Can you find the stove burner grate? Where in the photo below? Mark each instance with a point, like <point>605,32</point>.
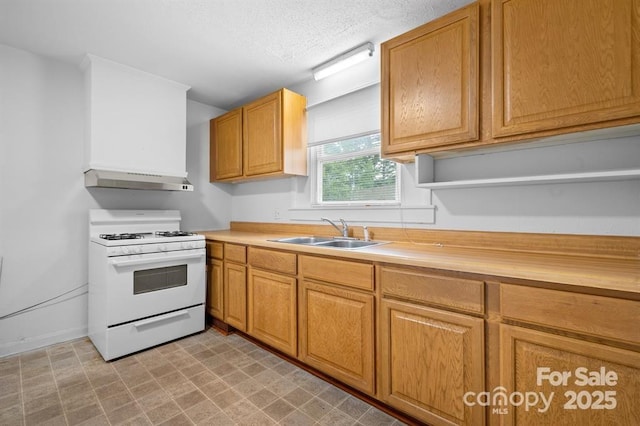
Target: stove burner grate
<point>125,236</point>
<point>173,234</point>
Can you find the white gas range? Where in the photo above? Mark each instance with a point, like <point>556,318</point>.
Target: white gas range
<point>147,281</point>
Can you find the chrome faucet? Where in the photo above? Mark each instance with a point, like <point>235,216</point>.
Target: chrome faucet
<point>345,227</point>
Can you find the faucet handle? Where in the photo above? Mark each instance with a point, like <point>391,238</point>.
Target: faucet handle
<point>345,228</point>
<point>365,230</point>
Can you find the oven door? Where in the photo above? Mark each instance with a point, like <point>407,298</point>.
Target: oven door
<point>140,286</point>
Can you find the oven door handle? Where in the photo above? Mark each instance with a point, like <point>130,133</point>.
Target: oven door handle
<point>160,318</point>
<point>119,262</point>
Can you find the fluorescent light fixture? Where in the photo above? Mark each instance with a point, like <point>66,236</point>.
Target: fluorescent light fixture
<point>343,61</point>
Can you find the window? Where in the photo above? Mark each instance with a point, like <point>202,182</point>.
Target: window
<point>351,172</point>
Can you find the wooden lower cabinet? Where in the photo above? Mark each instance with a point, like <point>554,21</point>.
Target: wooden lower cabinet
<point>429,360</point>
<point>587,383</point>
<point>337,333</point>
<point>235,295</point>
<point>215,293</point>
<point>272,310</point>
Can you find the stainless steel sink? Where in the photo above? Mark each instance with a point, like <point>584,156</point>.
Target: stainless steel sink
<point>329,242</point>
<point>304,240</point>
<point>349,244</point>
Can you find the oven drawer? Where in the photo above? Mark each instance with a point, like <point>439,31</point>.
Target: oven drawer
<point>137,335</point>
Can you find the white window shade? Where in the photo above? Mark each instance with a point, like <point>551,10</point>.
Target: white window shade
<point>353,114</point>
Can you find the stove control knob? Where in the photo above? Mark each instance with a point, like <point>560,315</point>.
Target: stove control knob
<point>188,245</point>
<point>125,250</point>
<point>162,247</point>
<point>137,249</point>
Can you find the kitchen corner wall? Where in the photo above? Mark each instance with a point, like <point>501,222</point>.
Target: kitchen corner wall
<point>44,204</point>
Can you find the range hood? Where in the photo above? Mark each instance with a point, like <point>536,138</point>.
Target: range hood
<point>136,128</point>
<point>129,180</point>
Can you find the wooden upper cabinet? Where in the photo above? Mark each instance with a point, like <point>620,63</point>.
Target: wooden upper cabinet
<point>563,66</point>
<point>263,135</point>
<point>265,138</point>
<point>226,146</point>
<point>430,79</point>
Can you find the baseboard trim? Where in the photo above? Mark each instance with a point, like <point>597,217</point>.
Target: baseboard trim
<point>37,342</point>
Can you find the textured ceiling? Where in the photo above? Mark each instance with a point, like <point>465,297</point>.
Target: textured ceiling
<point>228,51</point>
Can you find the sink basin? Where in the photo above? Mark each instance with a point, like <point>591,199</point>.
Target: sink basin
<point>349,244</point>
<point>328,242</point>
<point>304,240</point>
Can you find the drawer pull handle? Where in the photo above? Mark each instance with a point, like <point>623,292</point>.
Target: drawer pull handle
<point>160,318</point>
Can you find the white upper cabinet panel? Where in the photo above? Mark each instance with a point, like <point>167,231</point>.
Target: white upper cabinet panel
<point>136,121</point>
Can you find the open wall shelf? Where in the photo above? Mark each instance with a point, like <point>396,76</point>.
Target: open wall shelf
<point>425,174</point>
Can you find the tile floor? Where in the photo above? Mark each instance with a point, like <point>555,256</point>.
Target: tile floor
<point>205,379</point>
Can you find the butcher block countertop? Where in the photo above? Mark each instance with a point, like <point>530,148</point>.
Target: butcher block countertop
<point>598,265</point>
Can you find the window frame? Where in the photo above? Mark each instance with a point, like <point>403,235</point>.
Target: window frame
<point>317,170</point>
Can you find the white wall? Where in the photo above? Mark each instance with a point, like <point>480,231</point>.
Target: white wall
<point>44,204</point>
<point>602,208</point>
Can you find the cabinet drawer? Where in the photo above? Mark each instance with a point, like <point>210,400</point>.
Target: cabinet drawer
<point>273,260</point>
<point>235,253</point>
<point>413,284</point>
<point>594,315</point>
<point>215,249</point>
<point>351,274</point>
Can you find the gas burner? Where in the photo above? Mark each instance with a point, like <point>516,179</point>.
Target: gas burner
<point>126,236</point>
<point>173,234</point>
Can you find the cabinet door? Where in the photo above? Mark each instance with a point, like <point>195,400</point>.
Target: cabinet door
<point>529,359</point>
<point>215,300</point>
<point>429,360</point>
<point>336,333</point>
<point>226,146</point>
<point>430,84</point>
<point>235,295</point>
<point>559,64</point>
<point>263,135</point>
<point>272,310</point>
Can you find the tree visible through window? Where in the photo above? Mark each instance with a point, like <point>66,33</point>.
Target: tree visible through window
<point>351,172</point>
